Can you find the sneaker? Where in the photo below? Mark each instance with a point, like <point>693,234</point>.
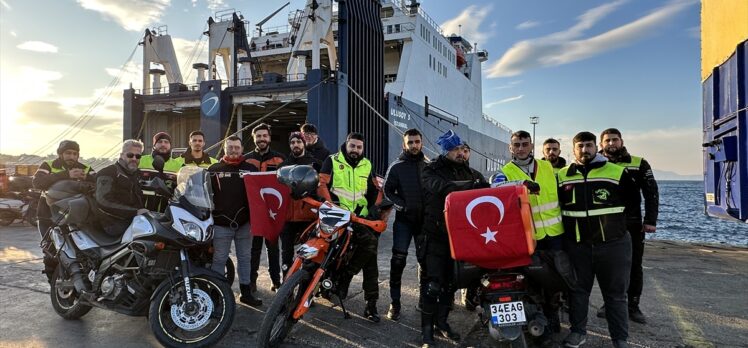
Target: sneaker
<point>394,312</point>
<point>636,315</point>
<point>276,286</point>
<point>620,344</point>
<point>574,340</point>
<point>601,312</point>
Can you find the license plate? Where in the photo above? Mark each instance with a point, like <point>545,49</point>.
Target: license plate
<point>509,313</point>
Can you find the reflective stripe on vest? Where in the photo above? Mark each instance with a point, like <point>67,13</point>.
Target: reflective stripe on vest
<point>546,213</point>
<point>171,166</point>
<point>55,170</point>
<point>350,184</point>
<point>593,212</point>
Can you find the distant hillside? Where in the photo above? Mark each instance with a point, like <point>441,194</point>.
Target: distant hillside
<point>9,160</point>
<point>666,175</point>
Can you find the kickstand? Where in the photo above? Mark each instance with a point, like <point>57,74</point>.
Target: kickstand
<point>342,305</point>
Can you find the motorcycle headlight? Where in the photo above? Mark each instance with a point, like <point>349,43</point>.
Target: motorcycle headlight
<point>330,231</point>
<point>192,230</point>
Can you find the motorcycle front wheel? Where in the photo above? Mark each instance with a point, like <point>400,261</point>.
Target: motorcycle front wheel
<point>279,319</point>
<point>202,322</point>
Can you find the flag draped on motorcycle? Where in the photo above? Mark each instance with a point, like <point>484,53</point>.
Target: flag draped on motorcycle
<point>269,201</point>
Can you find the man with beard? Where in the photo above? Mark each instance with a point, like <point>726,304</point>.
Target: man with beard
<point>118,194</point>
<point>64,167</point>
<point>300,214</point>
<point>196,156</point>
<point>612,146</point>
<point>347,179</point>
<point>546,214</point>
<point>402,186</point>
<point>266,160</point>
<point>161,148</point>
<point>552,154</point>
<point>231,216</point>
<point>314,145</point>
<point>595,196</point>
<point>448,173</point>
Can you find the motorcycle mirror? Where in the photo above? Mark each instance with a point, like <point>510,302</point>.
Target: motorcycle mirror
<point>160,187</point>
<point>158,163</point>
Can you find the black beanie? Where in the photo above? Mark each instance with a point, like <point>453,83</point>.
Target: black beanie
<point>296,135</point>
<point>67,145</point>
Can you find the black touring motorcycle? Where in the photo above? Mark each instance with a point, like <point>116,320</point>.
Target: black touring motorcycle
<point>155,269</point>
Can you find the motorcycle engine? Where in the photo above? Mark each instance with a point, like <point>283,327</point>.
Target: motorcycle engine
<point>112,286</point>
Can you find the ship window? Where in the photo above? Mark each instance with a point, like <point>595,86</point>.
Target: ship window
<point>429,61</point>
<point>397,28</point>
<point>389,29</point>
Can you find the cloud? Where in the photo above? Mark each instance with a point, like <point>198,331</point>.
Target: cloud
<point>6,5</point>
<point>527,25</point>
<point>214,5</point>
<point>471,19</point>
<point>37,46</point>
<point>694,32</point>
<point>13,33</point>
<point>502,101</point>
<point>567,46</point>
<point>508,85</point>
<point>51,113</point>
<point>133,15</point>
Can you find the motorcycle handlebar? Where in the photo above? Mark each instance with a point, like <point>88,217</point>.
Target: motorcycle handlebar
<point>378,226</point>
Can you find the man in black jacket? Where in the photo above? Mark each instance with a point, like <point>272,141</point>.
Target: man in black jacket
<point>611,143</point>
<point>118,194</point>
<point>64,167</point>
<point>447,173</point>
<point>300,214</point>
<point>314,145</point>
<point>402,186</point>
<point>552,154</point>
<point>595,197</point>
<point>231,216</point>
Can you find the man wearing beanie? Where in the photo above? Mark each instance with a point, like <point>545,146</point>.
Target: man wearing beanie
<point>64,167</point>
<point>161,148</point>
<point>300,214</point>
<point>446,174</point>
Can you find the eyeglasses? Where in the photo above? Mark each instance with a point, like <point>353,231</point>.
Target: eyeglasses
<point>131,155</point>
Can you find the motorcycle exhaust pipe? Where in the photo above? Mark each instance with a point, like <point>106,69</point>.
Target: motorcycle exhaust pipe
<point>536,328</point>
<point>75,272</point>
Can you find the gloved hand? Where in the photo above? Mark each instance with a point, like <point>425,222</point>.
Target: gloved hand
<point>532,186</point>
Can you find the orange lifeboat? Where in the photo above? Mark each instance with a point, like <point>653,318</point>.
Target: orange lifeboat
<point>460,58</point>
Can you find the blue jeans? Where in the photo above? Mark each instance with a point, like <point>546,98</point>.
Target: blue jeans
<point>403,233</point>
<point>222,237</point>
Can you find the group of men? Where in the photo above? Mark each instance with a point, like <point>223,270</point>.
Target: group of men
<point>590,209</point>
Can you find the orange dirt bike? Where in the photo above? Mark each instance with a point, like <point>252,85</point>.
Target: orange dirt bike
<point>327,248</point>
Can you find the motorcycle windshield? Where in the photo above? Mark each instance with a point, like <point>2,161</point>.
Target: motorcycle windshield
<point>193,185</point>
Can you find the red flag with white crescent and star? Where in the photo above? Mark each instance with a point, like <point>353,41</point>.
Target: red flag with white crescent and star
<point>268,204</point>
<point>491,227</point>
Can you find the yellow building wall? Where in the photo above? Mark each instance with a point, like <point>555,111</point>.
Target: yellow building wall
<point>724,24</point>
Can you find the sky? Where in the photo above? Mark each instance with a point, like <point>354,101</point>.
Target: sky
<point>577,65</point>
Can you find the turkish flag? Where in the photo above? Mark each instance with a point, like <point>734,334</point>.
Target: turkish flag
<point>491,228</point>
<point>268,204</point>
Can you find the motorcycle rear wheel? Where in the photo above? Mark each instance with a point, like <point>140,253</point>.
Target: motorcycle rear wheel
<point>278,320</point>
<point>66,303</point>
<point>175,324</point>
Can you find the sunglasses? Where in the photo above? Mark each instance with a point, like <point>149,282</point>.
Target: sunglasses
<point>131,155</point>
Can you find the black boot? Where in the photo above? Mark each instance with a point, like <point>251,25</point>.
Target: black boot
<point>247,297</point>
<point>635,314</point>
<point>442,327</point>
<point>371,311</point>
<point>427,325</point>
<point>394,312</point>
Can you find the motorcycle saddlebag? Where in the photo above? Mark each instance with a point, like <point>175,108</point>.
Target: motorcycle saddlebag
<point>491,228</point>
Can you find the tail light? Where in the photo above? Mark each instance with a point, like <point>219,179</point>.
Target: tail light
<point>505,282</point>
